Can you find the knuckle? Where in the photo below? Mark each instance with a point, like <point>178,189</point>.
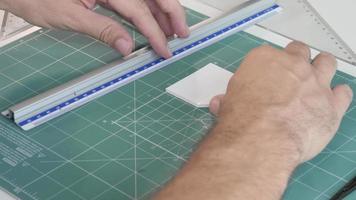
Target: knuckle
<point>265,54</point>
<point>106,34</point>
<point>264,50</point>
<point>167,6</point>
<point>300,45</point>
<point>142,7</point>
<point>301,68</point>
<point>299,62</point>
<point>305,50</point>
<point>328,56</point>
<point>140,11</point>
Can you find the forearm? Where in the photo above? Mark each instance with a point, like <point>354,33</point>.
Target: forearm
<point>235,163</point>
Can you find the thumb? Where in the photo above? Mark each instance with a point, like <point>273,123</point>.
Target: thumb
<point>342,99</point>
<point>103,28</point>
<point>215,104</point>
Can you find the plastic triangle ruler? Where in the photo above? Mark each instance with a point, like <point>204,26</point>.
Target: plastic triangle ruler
<point>300,21</point>
<point>13,28</point>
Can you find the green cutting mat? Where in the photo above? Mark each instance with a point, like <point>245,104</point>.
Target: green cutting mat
<point>127,144</point>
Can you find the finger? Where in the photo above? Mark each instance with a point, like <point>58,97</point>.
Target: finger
<point>139,14</point>
<point>176,15</point>
<point>90,4</point>
<point>325,64</point>
<point>162,18</point>
<point>342,99</point>
<point>215,103</point>
<point>164,23</point>
<point>102,28</point>
<point>299,49</point>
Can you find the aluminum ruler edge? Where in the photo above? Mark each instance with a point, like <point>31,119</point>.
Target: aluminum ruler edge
<point>58,101</point>
<point>38,101</point>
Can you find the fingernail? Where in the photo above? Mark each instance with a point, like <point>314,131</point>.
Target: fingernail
<point>186,31</point>
<point>123,46</point>
<point>168,54</point>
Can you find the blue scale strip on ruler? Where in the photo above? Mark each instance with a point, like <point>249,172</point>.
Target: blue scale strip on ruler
<point>143,68</point>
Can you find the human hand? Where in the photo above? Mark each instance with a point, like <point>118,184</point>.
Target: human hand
<point>285,89</point>
<point>156,19</point>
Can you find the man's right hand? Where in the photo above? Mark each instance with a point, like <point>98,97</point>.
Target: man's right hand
<point>286,88</point>
<point>156,19</point>
<point>278,112</point>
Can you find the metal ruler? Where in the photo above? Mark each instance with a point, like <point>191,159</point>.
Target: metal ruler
<point>42,108</point>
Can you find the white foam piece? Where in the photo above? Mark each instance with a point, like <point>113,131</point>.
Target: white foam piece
<point>200,87</point>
